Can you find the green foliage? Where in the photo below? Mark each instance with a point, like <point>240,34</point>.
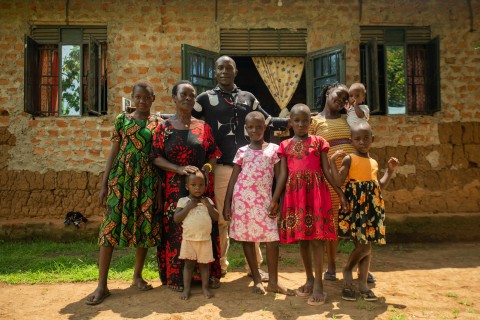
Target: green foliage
<point>396,76</point>
<point>71,81</point>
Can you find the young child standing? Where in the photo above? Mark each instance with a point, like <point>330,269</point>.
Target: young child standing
<point>248,202</point>
<point>356,111</point>
<point>364,223</point>
<point>129,192</point>
<point>307,209</point>
<point>196,214</point>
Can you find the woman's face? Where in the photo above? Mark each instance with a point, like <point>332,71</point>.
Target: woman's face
<point>337,100</point>
<point>142,99</point>
<point>185,97</point>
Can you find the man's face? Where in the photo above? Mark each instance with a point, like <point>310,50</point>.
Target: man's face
<point>225,71</point>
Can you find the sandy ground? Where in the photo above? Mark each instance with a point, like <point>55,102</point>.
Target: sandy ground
<point>414,281</point>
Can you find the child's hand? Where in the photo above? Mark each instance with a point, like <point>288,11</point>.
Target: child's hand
<point>204,200</point>
<point>338,153</point>
<point>352,101</point>
<point>273,210</point>
<point>392,164</point>
<point>193,203</point>
<point>227,213</point>
<point>344,203</point>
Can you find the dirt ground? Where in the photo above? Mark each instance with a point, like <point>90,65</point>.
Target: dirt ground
<point>414,281</point>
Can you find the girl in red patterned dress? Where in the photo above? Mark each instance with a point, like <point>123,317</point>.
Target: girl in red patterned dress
<point>307,208</point>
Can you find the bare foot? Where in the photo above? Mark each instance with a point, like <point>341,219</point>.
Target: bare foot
<point>347,277</point>
<point>97,296</point>
<point>317,299</point>
<point>185,295</point>
<point>276,288</point>
<point>258,288</point>
<point>207,293</point>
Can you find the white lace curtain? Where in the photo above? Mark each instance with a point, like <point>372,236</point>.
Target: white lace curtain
<point>281,75</point>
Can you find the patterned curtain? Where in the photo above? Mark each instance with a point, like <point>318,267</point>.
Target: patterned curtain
<point>281,75</point>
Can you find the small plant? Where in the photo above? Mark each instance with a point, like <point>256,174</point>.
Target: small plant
<point>364,305</point>
<point>288,262</point>
<point>455,313</point>
<point>345,246</point>
<point>397,315</point>
<point>452,295</point>
<point>466,303</point>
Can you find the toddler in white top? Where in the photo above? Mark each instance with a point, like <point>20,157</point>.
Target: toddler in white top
<point>196,213</point>
<point>356,111</point>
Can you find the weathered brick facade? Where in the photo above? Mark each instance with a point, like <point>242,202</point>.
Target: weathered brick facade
<point>50,165</point>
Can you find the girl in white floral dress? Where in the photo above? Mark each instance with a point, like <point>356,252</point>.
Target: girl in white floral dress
<point>248,202</point>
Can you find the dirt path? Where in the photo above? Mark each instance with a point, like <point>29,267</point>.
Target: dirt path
<point>415,281</point>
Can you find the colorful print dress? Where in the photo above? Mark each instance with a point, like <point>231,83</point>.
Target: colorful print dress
<point>337,134</point>
<point>129,219</point>
<point>252,195</point>
<point>307,208</point>
<point>366,220</point>
<point>195,147</point>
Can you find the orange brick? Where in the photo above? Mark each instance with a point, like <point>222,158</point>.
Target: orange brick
<point>142,70</point>
<point>90,124</point>
<point>61,123</point>
<point>133,56</point>
<point>38,150</point>
<point>80,153</point>
<point>53,133</point>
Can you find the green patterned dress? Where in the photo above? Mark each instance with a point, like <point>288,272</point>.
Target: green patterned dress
<point>129,219</point>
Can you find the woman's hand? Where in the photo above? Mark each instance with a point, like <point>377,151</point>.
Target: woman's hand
<point>184,170</point>
<point>344,203</point>
<point>102,198</point>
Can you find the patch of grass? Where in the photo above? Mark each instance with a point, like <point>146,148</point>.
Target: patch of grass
<point>50,262</point>
<point>396,315</point>
<point>345,246</point>
<point>236,258</point>
<point>466,303</point>
<point>289,261</point>
<point>365,305</point>
<point>455,313</point>
<point>452,295</point>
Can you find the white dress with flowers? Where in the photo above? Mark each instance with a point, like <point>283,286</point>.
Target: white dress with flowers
<point>252,195</point>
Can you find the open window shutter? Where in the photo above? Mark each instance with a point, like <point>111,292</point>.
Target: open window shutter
<point>31,77</point>
<point>432,76</point>
<point>324,66</point>
<point>371,76</point>
<point>198,66</point>
<point>94,74</point>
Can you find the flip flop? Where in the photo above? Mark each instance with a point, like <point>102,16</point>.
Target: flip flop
<point>303,291</point>
<point>144,288</point>
<point>263,275</point>
<point>371,278</point>
<point>98,301</point>
<point>368,295</point>
<point>317,303</point>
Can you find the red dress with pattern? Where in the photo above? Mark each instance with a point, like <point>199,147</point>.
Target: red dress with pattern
<point>307,208</point>
<point>182,147</point>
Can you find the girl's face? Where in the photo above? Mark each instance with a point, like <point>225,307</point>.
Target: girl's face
<point>255,129</point>
<point>185,97</point>
<point>362,140</point>
<point>195,186</point>
<point>300,121</point>
<point>337,100</point>
<point>142,99</point>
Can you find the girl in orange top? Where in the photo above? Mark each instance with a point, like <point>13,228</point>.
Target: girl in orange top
<point>364,223</point>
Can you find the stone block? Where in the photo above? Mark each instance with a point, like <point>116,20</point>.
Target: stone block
<point>472,153</point>
<point>459,161</point>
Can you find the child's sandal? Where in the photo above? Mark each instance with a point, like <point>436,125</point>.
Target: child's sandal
<point>368,295</point>
<point>330,276</point>
<point>348,293</point>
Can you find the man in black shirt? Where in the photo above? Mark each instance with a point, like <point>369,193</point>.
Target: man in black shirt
<point>224,108</point>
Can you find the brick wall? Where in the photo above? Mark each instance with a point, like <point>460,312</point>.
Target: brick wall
<point>52,165</point>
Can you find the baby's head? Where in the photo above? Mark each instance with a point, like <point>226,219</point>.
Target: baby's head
<point>255,125</point>
<point>362,137</point>
<point>357,93</point>
<point>195,184</point>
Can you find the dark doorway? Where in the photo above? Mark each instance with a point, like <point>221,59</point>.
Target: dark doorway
<point>249,79</point>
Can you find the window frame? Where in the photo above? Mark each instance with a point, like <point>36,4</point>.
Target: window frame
<point>96,92</point>
<point>373,66</point>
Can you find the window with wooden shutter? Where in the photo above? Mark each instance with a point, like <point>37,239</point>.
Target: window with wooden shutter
<point>65,71</point>
<point>400,69</point>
